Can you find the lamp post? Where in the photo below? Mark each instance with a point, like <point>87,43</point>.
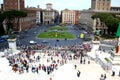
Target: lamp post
<point>86,22</point>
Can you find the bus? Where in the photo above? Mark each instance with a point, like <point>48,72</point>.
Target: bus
<point>3,38</point>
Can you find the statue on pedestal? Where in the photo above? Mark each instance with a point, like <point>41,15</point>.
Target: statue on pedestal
<point>116,54</point>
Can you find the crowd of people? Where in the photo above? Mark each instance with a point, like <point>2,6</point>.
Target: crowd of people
<point>29,60</point>
<point>32,47</point>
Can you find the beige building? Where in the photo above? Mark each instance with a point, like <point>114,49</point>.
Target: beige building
<point>49,15</point>
<point>100,5</point>
<point>38,13</point>
<point>70,16</point>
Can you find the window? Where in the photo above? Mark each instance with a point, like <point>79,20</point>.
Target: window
<point>103,4</point>
<point>15,3</point>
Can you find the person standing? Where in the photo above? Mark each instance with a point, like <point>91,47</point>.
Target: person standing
<point>88,62</point>
<point>37,70</point>
<point>75,66</point>
<point>102,77</point>
<point>81,61</point>
<point>113,73</point>
<point>84,61</point>
<point>119,73</point>
<point>105,76</point>
<point>78,73</point>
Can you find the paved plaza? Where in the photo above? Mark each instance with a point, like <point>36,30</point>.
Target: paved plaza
<point>90,71</point>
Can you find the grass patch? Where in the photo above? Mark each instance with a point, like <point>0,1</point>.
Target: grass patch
<point>59,28</point>
<point>107,59</point>
<point>58,35</point>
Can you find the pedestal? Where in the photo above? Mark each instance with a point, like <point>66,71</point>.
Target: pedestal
<point>115,58</point>
<point>12,44</point>
<point>115,62</point>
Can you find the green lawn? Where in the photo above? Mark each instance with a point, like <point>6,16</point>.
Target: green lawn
<point>56,32</point>
<point>58,35</point>
<point>107,59</point>
<point>59,28</point>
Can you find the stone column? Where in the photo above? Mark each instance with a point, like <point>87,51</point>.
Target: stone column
<point>94,25</point>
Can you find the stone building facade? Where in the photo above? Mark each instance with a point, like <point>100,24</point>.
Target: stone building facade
<point>13,4</point>
<point>100,5</point>
<point>25,22</point>
<point>70,16</point>
<point>49,15</point>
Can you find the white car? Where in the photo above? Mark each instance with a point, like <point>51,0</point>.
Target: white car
<point>32,42</point>
<point>44,41</point>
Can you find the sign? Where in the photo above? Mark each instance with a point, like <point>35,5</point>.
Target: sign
<point>81,35</point>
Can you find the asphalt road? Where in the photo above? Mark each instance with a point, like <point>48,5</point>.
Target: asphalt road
<point>24,38</point>
<point>30,35</point>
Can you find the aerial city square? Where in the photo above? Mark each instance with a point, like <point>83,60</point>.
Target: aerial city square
<point>60,40</point>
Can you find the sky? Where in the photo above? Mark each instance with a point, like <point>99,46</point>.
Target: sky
<point>63,4</point>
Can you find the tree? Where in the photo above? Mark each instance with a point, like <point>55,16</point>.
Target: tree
<point>18,15</point>
<point>1,25</point>
<point>10,17</point>
<point>109,19</point>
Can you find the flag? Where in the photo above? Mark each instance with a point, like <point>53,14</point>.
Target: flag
<point>118,31</point>
<point>118,35</point>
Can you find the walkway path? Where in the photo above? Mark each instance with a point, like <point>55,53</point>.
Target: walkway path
<point>92,71</point>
